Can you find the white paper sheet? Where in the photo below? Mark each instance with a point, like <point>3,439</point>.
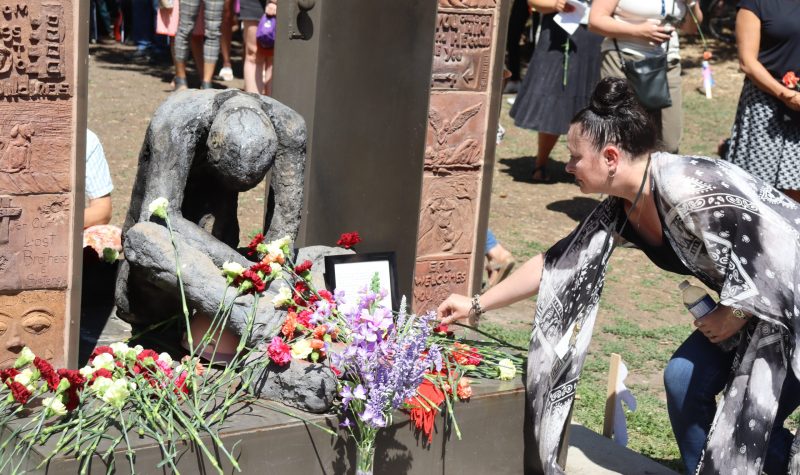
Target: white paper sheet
<point>352,277</point>
<point>570,22</point>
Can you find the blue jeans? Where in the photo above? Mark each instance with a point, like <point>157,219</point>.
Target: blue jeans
<point>143,23</point>
<point>491,241</point>
<point>694,376</point>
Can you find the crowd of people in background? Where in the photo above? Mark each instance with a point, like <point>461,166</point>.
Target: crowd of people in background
<point>203,30</point>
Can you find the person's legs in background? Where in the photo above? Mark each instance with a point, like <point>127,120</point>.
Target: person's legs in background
<point>254,59</point>
<point>226,72</point>
<point>672,117</point>
<point>544,145</point>
<point>516,26</point>
<point>143,26</point>
<point>213,20</point>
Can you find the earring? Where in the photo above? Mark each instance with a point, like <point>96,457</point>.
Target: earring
<point>612,173</point>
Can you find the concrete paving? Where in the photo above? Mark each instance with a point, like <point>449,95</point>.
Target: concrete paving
<point>592,454</point>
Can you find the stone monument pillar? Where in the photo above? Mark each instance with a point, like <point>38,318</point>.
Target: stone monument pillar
<point>358,72</point>
<point>462,124</point>
<point>42,146</point>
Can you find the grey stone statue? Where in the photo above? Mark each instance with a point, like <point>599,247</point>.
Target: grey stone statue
<point>201,150</point>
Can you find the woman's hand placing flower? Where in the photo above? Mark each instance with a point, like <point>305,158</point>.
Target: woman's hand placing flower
<point>454,308</point>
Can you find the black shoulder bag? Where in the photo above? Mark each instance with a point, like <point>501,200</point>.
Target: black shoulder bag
<point>648,78</point>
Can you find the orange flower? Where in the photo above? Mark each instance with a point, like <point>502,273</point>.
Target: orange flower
<point>320,331</point>
<point>790,80</point>
<point>464,390</point>
<point>707,55</point>
<point>289,325</point>
<point>316,344</point>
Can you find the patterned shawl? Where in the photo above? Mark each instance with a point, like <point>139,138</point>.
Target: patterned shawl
<point>740,237</point>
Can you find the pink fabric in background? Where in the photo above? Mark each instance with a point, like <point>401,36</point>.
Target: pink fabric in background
<point>167,21</point>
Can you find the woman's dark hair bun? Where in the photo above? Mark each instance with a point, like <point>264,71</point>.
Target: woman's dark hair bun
<point>612,96</point>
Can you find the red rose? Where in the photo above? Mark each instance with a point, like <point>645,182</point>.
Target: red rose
<point>19,392</point>
<point>348,240</point>
<point>48,373</point>
<point>257,239</point>
<point>304,266</point>
<point>790,80</point>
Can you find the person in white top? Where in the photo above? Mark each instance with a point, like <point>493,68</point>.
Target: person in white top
<point>645,28</point>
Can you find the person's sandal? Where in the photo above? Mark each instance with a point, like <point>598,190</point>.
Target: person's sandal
<point>500,270</point>
<point>179,84</point>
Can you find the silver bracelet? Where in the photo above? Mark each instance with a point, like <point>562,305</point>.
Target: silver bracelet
<point>476,310</point>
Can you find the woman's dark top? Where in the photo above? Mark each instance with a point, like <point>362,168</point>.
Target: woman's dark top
<point>663,256</point>
<point>779,51</point>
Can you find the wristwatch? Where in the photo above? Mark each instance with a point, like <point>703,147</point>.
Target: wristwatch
<point>739,313</point>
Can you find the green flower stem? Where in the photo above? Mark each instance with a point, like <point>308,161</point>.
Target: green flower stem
<point>699,29</point>
<point>566,60</point>
<point>492,337</point>
<point>129,451</point>
<point>180,282</point>
<point>195,437</point>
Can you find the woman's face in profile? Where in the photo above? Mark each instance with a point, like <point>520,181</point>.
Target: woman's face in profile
<point>585,162</point>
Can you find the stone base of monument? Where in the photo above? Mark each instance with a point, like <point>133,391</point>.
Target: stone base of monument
<point>267,441</point>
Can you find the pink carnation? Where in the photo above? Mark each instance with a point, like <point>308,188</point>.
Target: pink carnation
<point>279,352</point>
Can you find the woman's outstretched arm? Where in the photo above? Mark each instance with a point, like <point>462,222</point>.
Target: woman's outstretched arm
<point>523,283</point>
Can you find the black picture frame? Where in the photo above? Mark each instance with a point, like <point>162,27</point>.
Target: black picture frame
<point>334,279</point>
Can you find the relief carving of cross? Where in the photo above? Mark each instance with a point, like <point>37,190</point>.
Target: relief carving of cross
<point>7,213</point>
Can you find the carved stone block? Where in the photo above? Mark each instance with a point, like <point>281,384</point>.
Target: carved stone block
<point>437,278</point>
<point>456,133</point>
<point>462,48</point>
<point>34,241</point>
<point>35,147</point>
<point>35,319</point>
<point>35,62</point>
<point>447,217</point>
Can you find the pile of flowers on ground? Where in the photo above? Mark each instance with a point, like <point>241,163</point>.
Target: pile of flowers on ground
<point>384,361</point>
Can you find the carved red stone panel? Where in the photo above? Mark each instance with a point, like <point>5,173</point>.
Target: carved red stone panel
<point>447,215</point>
<point>34,243</point>
<point>456,133</point>
<point>437,278</point>
<point>39,111</point>
<point>34,319</point>
<point>35,90</point>
<point>462,49</point>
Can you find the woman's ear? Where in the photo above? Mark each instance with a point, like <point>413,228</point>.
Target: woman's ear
<point>611,155</point>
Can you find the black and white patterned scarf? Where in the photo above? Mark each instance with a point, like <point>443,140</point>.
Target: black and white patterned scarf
<point>735,233</point>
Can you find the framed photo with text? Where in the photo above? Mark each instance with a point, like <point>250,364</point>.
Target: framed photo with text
<point>352,272</point>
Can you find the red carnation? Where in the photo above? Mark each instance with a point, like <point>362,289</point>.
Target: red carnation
<point>257,239</point>
<point>8,373</point>
<point>100,350</point>
<point>327,296</point>
<point>76,382</point>
<point>289,325</point>
<point>279,352</point>
<point>144,354</point>
<point>304,266</point>
<point>348,240</point>
<point>258,284</point>
<point>180,384</point>
<point>19,391</point>
<point>304,318</point>
<point>102,372</point>
<point>48,373</point>
<point>466,355</point>
<point>790,80</point>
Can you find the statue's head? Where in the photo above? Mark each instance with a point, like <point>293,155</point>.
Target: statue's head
<point>241,146</point>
